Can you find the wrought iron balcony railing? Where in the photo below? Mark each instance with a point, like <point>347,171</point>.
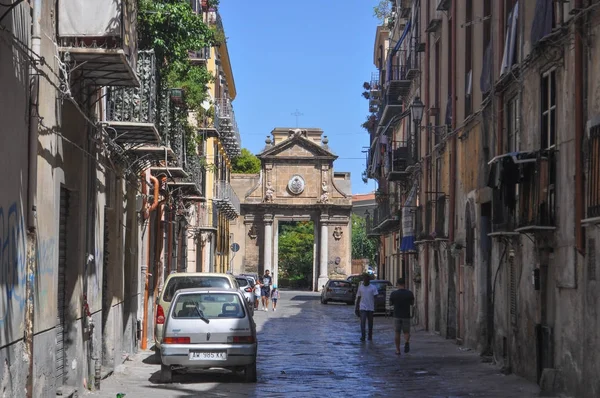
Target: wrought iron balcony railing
<point>132,112</point>
<point>102,45</point>
<point>400,157</point>
<point>208,216</point>
<point>226,200</point>
<point>227,127</point>
<point>537,205</point>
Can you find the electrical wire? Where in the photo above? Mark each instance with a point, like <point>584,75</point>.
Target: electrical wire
<point>10,8</point>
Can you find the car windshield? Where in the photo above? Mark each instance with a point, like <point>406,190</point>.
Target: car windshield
<point>208,305</point>
<point>381,284</point>
<point>339,284</point>
<point>242,281</point>
<point>186,282</point>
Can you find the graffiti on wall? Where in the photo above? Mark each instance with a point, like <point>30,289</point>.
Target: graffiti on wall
<point>12,272</point>
<point>47,256</point>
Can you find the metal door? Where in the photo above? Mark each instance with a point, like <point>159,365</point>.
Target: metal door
<point>61,296</point>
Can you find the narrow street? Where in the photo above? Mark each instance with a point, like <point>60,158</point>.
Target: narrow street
<point>307,349</point>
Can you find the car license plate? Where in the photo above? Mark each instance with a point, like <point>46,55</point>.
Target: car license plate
<point>207,356</point>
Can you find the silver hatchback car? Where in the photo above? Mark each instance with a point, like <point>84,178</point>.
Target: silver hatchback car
<point>209,328</point>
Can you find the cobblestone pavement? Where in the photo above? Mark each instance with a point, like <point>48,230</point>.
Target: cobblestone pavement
<point>307,349</point>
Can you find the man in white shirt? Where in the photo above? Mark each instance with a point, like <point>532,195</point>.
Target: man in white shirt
<point>365,305</point>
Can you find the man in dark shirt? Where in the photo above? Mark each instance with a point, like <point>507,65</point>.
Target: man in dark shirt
<point>266,289</point>
<point>402,299</point>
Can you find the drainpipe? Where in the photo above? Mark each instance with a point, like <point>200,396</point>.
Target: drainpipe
<point>425,280</point>
<point>144,343</point>
<point>579,184</point>
<point>500,95</point>
<point>32,193</point>
<point>453,156</point>
<point>169,218</point>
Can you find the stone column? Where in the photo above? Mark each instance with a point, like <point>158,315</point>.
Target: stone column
<point>275,270</point>
<point>268,246</point>
<point>323,253</point>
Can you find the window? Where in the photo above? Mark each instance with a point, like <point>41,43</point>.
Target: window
<point>593,177</point>
<point>187,282</point>
<point>209,306</point>
<point>548,91</point>
<point>468,57</point>
<point>512,124</point>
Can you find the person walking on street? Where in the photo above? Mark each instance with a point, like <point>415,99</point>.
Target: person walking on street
<point>365,305</point>
<point>266,289</point>
<point>402,299</point>
<point>257,293</point>
<point>274,297</point>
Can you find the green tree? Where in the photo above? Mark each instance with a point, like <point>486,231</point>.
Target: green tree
<point>382,10</point>
<point>246,163</point>
<point>362,245</point>
<point>296,242</point>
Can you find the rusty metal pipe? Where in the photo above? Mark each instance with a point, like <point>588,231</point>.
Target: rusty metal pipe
<point>144,343</point>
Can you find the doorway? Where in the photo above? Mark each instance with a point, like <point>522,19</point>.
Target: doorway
<point>295,254</point>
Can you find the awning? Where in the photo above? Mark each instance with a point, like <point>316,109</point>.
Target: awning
<point>408,232</point>
<point>517,157</point>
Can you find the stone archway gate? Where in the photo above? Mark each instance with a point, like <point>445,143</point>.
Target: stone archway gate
<point>296,183</point>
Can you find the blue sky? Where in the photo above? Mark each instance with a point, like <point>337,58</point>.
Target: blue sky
<point>311,55</point>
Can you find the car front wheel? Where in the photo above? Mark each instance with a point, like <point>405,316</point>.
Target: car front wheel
<point>250,373</point>
<point>166,374</point>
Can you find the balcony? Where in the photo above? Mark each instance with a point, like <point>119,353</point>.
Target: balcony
<point>537,206</point>
<point>523,192</point>
<point>131,113</point>
<point>99,40</point>
<point>227,127</point>
<point>374,93</point>
<point>385,216</point>
<point>199,57</point>
<point>398,84</point>
<point>412,65</point>
<point>400,158</point>
<point>226,200</point>
<point>207,218</point>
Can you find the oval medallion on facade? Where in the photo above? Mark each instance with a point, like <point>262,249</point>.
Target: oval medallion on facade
<point>296,185</point>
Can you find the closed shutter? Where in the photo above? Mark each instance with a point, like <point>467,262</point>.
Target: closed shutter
<point>61,296</point>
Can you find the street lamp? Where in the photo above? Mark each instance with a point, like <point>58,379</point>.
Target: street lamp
<point>416,110</point>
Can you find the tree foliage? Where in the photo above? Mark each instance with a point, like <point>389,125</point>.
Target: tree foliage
<point>382,10</point>
<point>246,163</point>
<point>362,245</point>
<point>172,30</point>
<point>296,242</point>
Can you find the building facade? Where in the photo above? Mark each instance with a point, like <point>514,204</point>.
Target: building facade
<point>102,193</point>
<point>499,98</point>
<point>220,142</point>
<point>297,182</point>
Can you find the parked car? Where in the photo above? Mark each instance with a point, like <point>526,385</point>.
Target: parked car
<point>381,285</point>
<point>247,287</point>
<point>208,328</point>
<point>186,280</point>
<point>337,291</point>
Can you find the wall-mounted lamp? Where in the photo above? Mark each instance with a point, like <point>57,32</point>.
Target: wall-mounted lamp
<point>416,110</point>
